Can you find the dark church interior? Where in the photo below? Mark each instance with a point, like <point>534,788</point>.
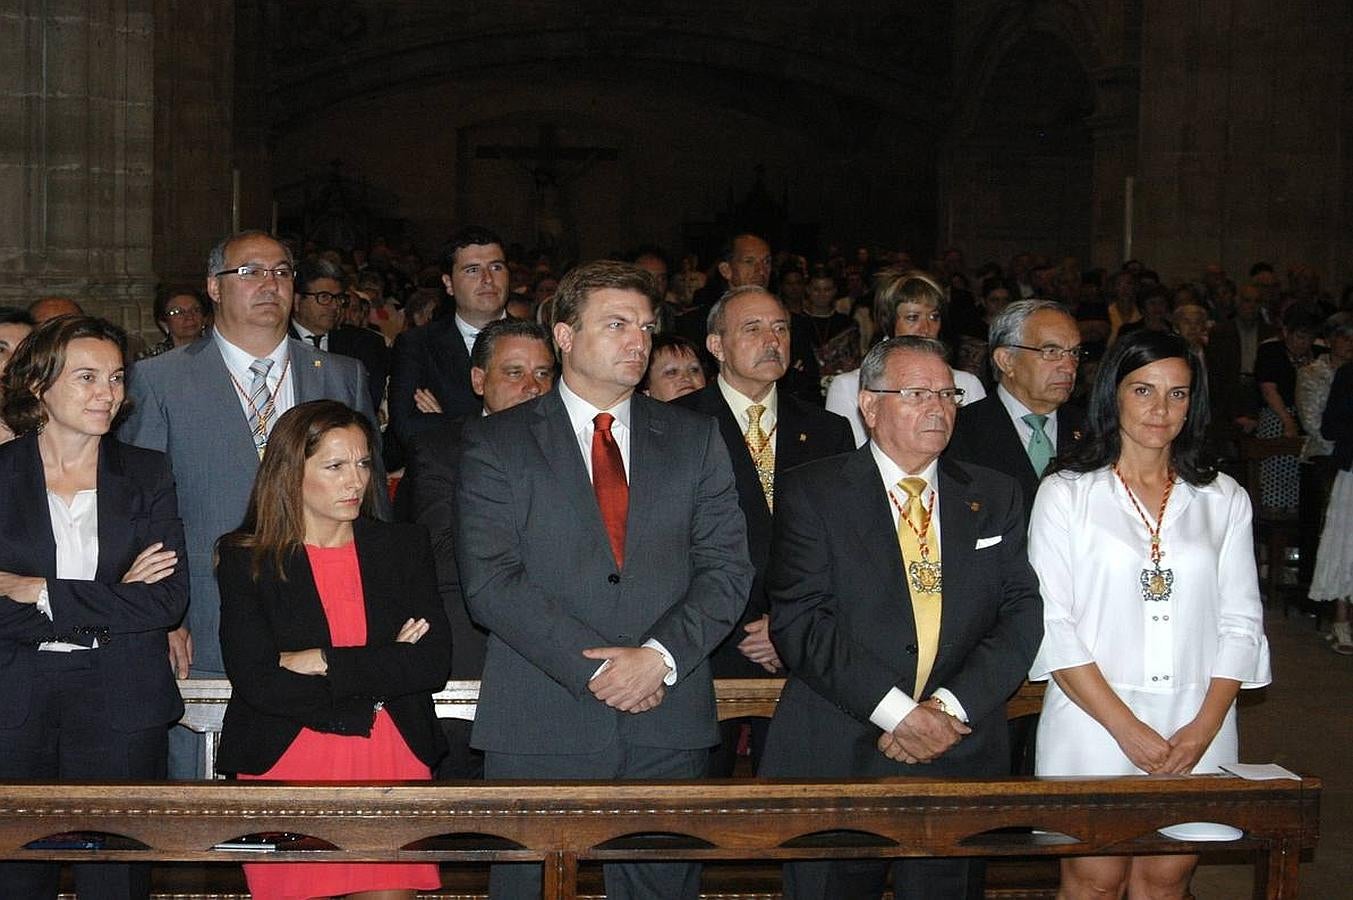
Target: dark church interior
<point>1199,152</point>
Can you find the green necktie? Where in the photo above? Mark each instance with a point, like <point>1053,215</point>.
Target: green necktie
<point>1040,448</point>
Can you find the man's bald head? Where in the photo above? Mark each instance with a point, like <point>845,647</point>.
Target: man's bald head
<point>47,308</point>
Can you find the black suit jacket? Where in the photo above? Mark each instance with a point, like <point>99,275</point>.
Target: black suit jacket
<point>985,434</point>
<point>842,621</point>
<point>803,433</point>
<point>368,348</point>
<point>137,506</point>
<point>259,619</point>
<point>427,495</point>
<point>432,356</point>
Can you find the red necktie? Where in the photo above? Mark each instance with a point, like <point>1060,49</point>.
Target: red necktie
<point>608,480</point>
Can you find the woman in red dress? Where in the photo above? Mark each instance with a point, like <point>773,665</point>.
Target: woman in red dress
<point>334,640</point>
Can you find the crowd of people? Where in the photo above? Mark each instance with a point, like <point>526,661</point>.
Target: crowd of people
<point>903,488</point>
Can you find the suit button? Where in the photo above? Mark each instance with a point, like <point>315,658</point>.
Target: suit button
<point>911,648</point>
<point>613,578</point>
<point>622,638</point>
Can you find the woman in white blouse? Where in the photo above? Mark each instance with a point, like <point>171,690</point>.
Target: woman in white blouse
<point>90,584</point>
<point>1152,616</point>
<point>904,303</point>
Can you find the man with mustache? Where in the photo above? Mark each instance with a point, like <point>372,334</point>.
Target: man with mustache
<point>430,368</point>
<point>210,406</point>
<point>767,431</point>
<point>1018,429</point>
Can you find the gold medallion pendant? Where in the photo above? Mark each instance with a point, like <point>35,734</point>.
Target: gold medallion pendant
<point>1157,584</point>
<point>926,577</point>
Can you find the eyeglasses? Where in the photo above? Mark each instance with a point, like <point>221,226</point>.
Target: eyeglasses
<point>324,298</point>
<point>182,311</point>
<point>1053,353</point>
<point>258,273</point>
<point>915,396</point>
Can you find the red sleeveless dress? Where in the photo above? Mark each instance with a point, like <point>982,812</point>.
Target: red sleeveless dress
<point>314,756</point>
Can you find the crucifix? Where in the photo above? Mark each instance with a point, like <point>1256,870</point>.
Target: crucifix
<point>549,179</point>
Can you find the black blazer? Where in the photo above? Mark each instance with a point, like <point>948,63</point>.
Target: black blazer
<point>269,705</point>
<point>803,433</point>
<point>368,348</point>
<point>427,494</point>
<point>842,621</point>
<point>985,434</point>
<point>432,356</point>
<point>137,506</point>
<point>1337,422</point>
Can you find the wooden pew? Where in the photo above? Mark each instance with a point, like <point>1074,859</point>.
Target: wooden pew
<point>562,824</point>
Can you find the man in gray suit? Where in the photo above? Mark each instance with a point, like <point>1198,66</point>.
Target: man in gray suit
<point>210,406</point>
<point>601,545</point>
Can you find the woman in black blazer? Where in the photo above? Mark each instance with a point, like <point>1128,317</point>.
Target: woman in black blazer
<point>333,636</point>
<point>91,581</point>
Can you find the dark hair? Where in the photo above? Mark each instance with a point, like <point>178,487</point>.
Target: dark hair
<point>170,291</point>
<point>38,362</point>
<point>1303,317</point>
<point>467,236</point>
<point>421,299</point>
<point>316,267</point>
<point>12,315</point>
<point>1103,443</point>
<point>726,249</point>
<point>274,522</point>
<point>575,287</point>
<point>491,333</point>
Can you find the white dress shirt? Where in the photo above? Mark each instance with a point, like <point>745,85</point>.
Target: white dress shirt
<point>580,416</point>
<point>738,403</point>
<point>308,336</point>
<point>896,705</point>
<point>1017,411</point>
<point>75,529</point>
<point>237,363</point>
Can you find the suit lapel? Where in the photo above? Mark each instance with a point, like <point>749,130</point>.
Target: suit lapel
<point>959,510</point>
<point>302,596</point>
<point>307,372</point>
<point>875,533</point>
<point>553,433</point>
<point>792,439</point>
<point>118,501</point>
<point>27,497</point>
<point>646,471</point>
<point>372,560</point>
<point>219,400</point>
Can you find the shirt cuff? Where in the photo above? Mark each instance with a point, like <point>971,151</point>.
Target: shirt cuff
<point>892,709</point>
<point>670,678</point>
<point>44,603</point>
<point>951,702</point>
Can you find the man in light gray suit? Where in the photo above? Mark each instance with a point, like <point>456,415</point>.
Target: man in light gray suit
<point>601,545</point>
<point>210,405</point>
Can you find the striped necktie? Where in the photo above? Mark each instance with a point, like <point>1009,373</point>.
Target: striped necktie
<point>763,452</point>
<point>260,403</point>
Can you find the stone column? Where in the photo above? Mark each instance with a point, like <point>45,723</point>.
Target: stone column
<point>76,143</point>
<point>1113,130</point>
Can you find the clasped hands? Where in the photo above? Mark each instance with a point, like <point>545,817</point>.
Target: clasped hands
<point>314,662</point>
<point>630,678</point>
<point>925,734</point>
<point>1153,754</point>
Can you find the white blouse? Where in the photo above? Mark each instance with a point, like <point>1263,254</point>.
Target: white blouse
<point>1089,546</point>
<point>75,529</point>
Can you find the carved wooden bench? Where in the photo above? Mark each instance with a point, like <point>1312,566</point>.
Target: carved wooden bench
<point>561,824</point>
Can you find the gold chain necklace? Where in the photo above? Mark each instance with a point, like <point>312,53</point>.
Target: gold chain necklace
<point>1156,583</point>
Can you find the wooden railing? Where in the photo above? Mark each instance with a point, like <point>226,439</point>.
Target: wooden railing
<point>205,702</point>
<point>562,824</point>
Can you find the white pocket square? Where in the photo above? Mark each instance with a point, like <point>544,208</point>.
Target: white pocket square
<point>983,543</point>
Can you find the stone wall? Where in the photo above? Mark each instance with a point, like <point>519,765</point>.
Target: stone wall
<point>76,147</point>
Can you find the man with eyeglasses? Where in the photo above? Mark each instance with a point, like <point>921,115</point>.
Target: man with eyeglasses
<point>318,317</point>
<point>905,610</point>
<point>210,406</point>
<point>1021,427</point>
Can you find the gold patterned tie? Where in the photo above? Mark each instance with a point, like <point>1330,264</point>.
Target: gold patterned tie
<point>921,561</point>
<point>763,453</point>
